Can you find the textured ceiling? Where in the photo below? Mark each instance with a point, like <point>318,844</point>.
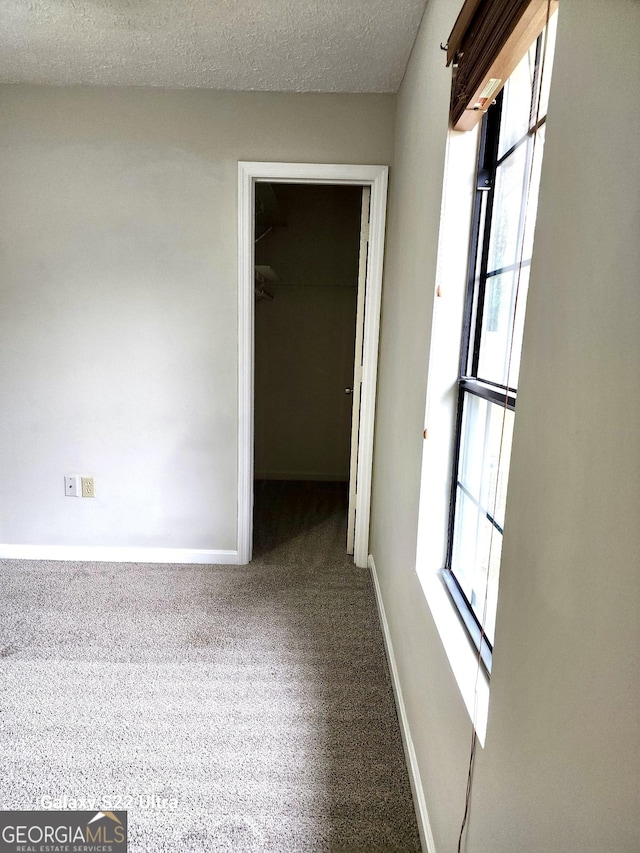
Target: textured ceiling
<point>273,45</point>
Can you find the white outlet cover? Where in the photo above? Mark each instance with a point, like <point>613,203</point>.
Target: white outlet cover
<point>72,486</point>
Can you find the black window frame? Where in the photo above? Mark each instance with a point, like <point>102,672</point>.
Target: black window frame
<point>469,382</point>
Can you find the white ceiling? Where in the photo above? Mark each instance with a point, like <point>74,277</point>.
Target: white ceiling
<point>272,45</point>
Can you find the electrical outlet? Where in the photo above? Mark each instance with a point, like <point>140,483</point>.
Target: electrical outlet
<point>72,486</point>
<point>88,487</point>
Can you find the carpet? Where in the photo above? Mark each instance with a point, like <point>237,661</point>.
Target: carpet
<point>226,708</point>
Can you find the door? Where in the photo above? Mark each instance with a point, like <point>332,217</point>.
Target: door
<point>356,390</point>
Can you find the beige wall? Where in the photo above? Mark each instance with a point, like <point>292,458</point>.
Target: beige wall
<point>559,770</point>
<point>305,337</point>
<point>118,288</point>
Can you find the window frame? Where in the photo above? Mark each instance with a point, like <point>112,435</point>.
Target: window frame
<point>469,382</point>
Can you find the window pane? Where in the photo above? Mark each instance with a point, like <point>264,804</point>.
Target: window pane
<point>532,200</point>
<point>477,551</point>
<point>485,445</point>
<point>516,110</point>
<point>467,544</point>
<point>471,446</point>
<point>485,450</point>
<point>476,277</point>
<point>545,76</point>
<point>505,301</point>
<point>504,247</point>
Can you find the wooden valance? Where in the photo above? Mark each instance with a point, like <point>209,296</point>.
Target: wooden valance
<point>488,40</point>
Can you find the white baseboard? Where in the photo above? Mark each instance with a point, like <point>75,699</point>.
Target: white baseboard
<point>424,825</point>
<point>109,554</point>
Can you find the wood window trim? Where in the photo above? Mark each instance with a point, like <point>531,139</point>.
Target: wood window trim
<point>488,40</point>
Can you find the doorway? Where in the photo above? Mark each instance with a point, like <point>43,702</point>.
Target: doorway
<point>374,179</point>
<point>307,255</point>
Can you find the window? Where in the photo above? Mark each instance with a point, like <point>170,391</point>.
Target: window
<point>509,165</point>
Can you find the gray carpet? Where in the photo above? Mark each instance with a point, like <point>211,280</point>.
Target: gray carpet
<point>255,699</point>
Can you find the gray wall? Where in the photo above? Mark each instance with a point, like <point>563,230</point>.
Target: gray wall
<point>559,770</point>
<point>118,289</point>
<point>305,337</point>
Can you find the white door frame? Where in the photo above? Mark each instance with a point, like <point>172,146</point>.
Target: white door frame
<point>307,173</point>
<point>356,383</point>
